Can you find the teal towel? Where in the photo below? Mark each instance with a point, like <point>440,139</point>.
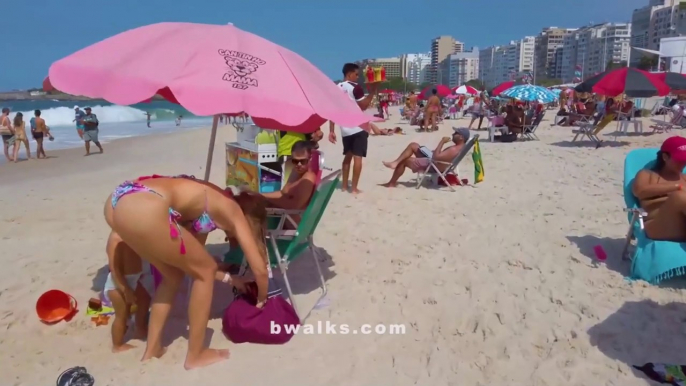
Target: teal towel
<point>653,261</point>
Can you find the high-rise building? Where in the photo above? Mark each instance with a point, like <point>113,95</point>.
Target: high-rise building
<point>395,67</point>
<point>487,66</point>
<point>548,43</point>
<point>417,67</point>
<point>594,47</point>
<point>459,68</point>
<point>502,63</point>
<point>659,19</point>
<point>441,48</point>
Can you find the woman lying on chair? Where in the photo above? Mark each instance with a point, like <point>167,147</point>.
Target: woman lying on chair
<point>660,192</point>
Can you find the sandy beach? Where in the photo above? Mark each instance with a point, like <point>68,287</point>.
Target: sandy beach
<point>495,283</point>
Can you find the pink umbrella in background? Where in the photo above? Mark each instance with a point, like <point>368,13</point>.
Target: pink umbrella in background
<point>209,70</point>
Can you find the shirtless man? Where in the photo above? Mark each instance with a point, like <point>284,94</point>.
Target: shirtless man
<point>413,100</point>
<point>433,109</point>
<point>418,158</point>
<point>296,193</point>
<point>39,130</point>
<point>661,193</point>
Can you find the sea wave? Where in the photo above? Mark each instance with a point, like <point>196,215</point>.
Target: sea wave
<point>64,116</point>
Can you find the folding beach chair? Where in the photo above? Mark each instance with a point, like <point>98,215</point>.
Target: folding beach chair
<point>661,107</point>
<point>651,260</point>
<point>434,173</point>
<point>587,129</point>
<point>278,218</point>
<point>662,126</point>
<point>529,131</point>
<point>284,246</point>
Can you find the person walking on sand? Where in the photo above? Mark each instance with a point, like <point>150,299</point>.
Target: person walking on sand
<point>432,112</point>
<point>354,138</point>
<point>39,130</point>
<point>78,118</point>
<point>20,137</point>
<point>90,130</point>
<point>7,132</point>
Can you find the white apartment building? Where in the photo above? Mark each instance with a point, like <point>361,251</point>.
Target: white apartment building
<point>487,71</point>
<point>548,49</point>
<point>594,47</point>
<point>459,68</point>
<point>502,63</point>
<point>417,67</point>
<point>659,19</point>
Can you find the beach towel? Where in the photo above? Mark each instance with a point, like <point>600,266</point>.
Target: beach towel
<point>478,162</point>
<point>665,373</point>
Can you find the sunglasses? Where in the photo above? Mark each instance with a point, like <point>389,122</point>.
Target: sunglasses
<point>301,161</point>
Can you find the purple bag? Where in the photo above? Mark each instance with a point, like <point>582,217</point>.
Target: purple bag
<point>273,324</point>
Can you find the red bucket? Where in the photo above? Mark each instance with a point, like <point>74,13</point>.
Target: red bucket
<point>54,306</point>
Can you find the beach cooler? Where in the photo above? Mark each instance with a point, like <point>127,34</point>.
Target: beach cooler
<point>652,261</point>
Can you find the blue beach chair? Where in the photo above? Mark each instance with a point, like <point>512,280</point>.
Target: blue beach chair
<point>652,261</point>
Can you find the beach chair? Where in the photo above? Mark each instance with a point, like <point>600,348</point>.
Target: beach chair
<point>284,246</point>
<point>586,130</point>
<point>663,126</point>
<point>434,173</point>
<point>496,123</point>
<point>661,107</point>
<point>529,131</point>
<point>651,260</point>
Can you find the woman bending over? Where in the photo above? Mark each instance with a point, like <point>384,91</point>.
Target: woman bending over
<point>150,215</point>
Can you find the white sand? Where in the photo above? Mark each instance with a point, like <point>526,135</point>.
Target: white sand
<point>495,283</point>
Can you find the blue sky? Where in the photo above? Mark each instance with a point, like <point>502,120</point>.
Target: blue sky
<point>328,33</point>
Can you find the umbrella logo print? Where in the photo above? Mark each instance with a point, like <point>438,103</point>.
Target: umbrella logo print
<point>240,67</point>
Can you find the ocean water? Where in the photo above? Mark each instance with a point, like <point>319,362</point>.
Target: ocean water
<point>115,121</point>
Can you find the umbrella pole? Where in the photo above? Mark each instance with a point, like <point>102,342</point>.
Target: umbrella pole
<point>210,150</point>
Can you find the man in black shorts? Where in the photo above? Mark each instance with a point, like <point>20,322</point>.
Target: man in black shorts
<point>354,138</point>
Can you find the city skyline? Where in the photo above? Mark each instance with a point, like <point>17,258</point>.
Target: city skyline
<point>323,35</point>
<point>562,53</point>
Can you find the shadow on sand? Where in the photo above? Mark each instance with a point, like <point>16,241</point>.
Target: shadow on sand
<point>582,143</point>
<point>642,332</point>
<point>613,249</point>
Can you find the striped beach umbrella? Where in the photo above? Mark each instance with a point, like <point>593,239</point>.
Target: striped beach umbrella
<point>530,93</point>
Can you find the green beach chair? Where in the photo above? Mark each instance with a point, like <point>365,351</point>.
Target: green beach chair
<point>284,246</point>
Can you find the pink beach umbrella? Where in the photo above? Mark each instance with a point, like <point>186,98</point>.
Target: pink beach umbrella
<point>209,70</point>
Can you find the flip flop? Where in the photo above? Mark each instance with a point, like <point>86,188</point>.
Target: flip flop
<point>75,376</point>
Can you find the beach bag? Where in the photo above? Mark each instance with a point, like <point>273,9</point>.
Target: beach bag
<point>273,324</point>
<point>453,180</point>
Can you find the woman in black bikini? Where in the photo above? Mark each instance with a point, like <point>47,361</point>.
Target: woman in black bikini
<point>661,194</point>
